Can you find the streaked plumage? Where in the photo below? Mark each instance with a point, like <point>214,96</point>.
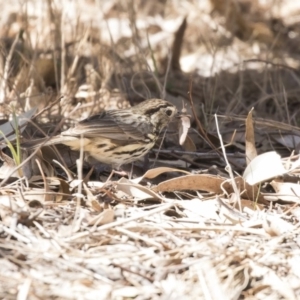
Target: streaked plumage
<point>117,137</point>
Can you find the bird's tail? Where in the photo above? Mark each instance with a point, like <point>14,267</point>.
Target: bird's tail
<point>48,141</point>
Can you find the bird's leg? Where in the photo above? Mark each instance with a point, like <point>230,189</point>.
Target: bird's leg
<point>115,170</point>
<point>100,167</point>
<point>119,172</point>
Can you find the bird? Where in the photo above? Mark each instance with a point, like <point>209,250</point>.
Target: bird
<point>121,136</point>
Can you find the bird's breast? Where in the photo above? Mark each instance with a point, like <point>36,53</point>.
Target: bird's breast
<point>116,154</point>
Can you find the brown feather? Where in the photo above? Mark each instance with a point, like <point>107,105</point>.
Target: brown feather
<point>108,125</point>
<point>118,136</point>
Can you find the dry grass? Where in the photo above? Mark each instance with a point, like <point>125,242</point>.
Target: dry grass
<point>189,227</point>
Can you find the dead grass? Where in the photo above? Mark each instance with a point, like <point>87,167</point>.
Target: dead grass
<point>187,227</point>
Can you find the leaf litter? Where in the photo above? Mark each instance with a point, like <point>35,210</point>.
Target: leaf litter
<point>169,232</point>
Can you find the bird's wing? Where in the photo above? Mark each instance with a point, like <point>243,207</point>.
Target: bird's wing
<point>108,125</point>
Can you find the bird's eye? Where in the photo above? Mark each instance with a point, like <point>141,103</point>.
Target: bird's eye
<point>169,112</point>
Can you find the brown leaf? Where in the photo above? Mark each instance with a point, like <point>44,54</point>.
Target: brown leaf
<point>201,182</point>
<point>152,173</point>
<point>209,183</point>
<point>250,139</point>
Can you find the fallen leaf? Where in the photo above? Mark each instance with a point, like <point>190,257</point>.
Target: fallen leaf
<point>202,182</point>
<point>152,173</point>
<point>251,152</point>
<point>286,191</point>
<point>264,167</point>
<point>138,192</point>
